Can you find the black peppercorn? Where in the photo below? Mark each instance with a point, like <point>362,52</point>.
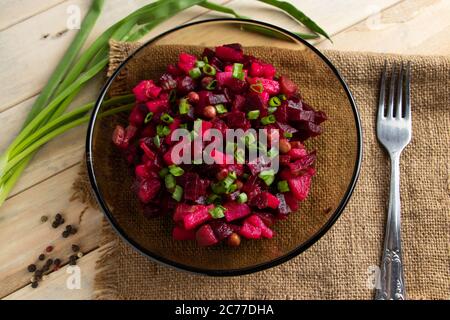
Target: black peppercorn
<point>62,221</point>
<point>65,234</point>
<point>69,227</point>
<point>49,262</point>
<point>73,231</point>
<point>57,262</point>
<point>55,224</point>
<point>58,217</point>
<point>41,257</point>
<point>44,219</point>
<point>32,268</point>
<point>75,248</point>
<point>34,284</point>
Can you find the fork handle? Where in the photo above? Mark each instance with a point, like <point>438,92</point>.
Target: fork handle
<point>392,284</point>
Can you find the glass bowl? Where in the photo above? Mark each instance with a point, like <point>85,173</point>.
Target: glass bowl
<point>338,163</point>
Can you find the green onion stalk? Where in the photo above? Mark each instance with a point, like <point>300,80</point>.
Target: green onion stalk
<point>48,117</point>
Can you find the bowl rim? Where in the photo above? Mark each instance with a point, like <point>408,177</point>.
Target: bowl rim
<point>223,272</point>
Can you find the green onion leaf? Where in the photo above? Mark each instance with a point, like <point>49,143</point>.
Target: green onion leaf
<point>195,73</point>
<point>282,97</point>
<point>184,106</point>
<point>268,176</point>
<point>252,115</point>
<point>268,120</point>
<point>176,171</point>
<point>148,117</point>
<point>166,118</point>
<point>163,172</point>
<point>177,193</point>
<point>172,96</point>
<point>242,198</point>
<point>287,134</point>
<point>169,181</point>
<point>157,141</point>
<point>217,212</point>
<point>212,85</point>
<point>162,131</point>
<point>283,186</point>
<point>213,198</point>
<point>221,108</point>
<point>209,69</point>
<point>257,87</point>
<point>274,102</point>
<point>272,109</point>
<point>237,71</point>
<point>200,64</point>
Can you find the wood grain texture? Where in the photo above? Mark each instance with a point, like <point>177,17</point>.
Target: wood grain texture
<point>413,26</point>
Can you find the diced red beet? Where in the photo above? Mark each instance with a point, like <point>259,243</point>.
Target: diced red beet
<point>229,54</point>
<point>146,90</point>
<point>196,218</point>
<point>223,77</point>
<point>130,133</point>
<point>182,234</point>
<point>237,120</point>
<point>272,87</point>
<point>265,200</point>
<point>145,146</point>
<point>297,153</point>
<point>287,87</point>
<point>185,85</point>
<point>182,210</point>
<point>186,62</point>
<point>256,221</point>
<point>272,201</point>
<point>291,201</point>
<point>136,117</point>
<point>249,231</point>
<point>236,211</point>
<point>299,186</point>
<point>238,103</point>
<point>157,106</point>
<point>148,189</point>
<point>303,163</point>
<point>205,236</point>
<point>256,69</point>
<point>267,217</point>
<point>167,81</point>
<point>143,172</point>
<point>221,229</point>
<point>268,71</point>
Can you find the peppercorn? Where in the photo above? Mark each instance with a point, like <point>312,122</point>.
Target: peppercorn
<point>38,274</point>
<point>32,268</point>
<point>62,221</point>
<point>45,268</point>
<point>41,257</point>
<point>49,262</point>
<point>234,240</point>
<point>34,285</point>
<point>75,248</point>
<point>49,249</point>
<point>44,219</point>
<point>57,262</point>
<point>55,224</point>
<point>58,217</point>
<point>74,230</point>
<point>69,227</point>
<point>65,234</point>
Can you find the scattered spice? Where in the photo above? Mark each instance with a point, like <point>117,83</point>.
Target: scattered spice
<point>80,254</point>
<point>49,262</point>
<point>34,285</point>
<point>57,262</point>
<point>69,228</point>
<point>44,219</point>
<point>49,249</point>
<point>75,248</point>
<point>45,36</point>
<point>32,268</point>
<point>65,234</point>
<point>58,217</point>
<point>41,257</point>
<point>55,224</point>
<point>73,231</point>
<point>62,221</point>
<point>73,260</point>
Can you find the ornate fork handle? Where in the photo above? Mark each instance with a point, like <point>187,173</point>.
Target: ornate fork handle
<point>391,286</point>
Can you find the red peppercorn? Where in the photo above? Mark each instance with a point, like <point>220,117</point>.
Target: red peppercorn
<point>49,249</point>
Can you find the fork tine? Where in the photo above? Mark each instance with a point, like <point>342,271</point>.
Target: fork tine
<point>390,109</point>
<point>398,105</point>
<point>407,92</point>
<point>382,99</point>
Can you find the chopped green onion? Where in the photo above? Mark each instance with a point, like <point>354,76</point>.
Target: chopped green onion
<point>166,118</point>
<point>184,106</point>
<point>162,131</point>
<point>239,156</point>
<point>283,186</point>
<point>282,97</point>
<point>268,120</point>
<point>275,102</point>
<point>272,109</point>
<point>272,153</point>
<point>217,212</point>
<point>183,125</point>
<point>242,197</point>
<point>245,175</point>
<point>169,181</point>
<point>205,59</point>
<point>157,141</point>
<point>237,71</point>
<point>177,193</point>
<point>209,69</point>
<point>221,108</point>
<point>232,175</point>
<point>195,73</point>
<point>176,171</point>
<point>268,176</point>
<point>163,172</point>
<point>252,115</point>
<point>257,87</point>
<point>287,134</point>
<point>213,198</point>
<point>200,64</point>
<point>148,117</point>
<point>232,188</point>
<point>212,85</point>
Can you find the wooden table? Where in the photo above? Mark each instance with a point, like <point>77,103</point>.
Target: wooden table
<point>32,40</point>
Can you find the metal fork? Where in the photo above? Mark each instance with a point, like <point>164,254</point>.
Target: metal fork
<point>394,133</point>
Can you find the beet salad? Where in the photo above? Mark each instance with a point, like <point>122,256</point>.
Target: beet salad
<point>236,197</point>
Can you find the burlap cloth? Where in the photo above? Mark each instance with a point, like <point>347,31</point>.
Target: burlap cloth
<point>338,265</point>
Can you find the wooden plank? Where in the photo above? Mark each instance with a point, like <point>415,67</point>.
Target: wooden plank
<point>412,27</point>
<point>24,237</point>
<point>55,286</point>
<point>29,75</point>
<point>14,11</point>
